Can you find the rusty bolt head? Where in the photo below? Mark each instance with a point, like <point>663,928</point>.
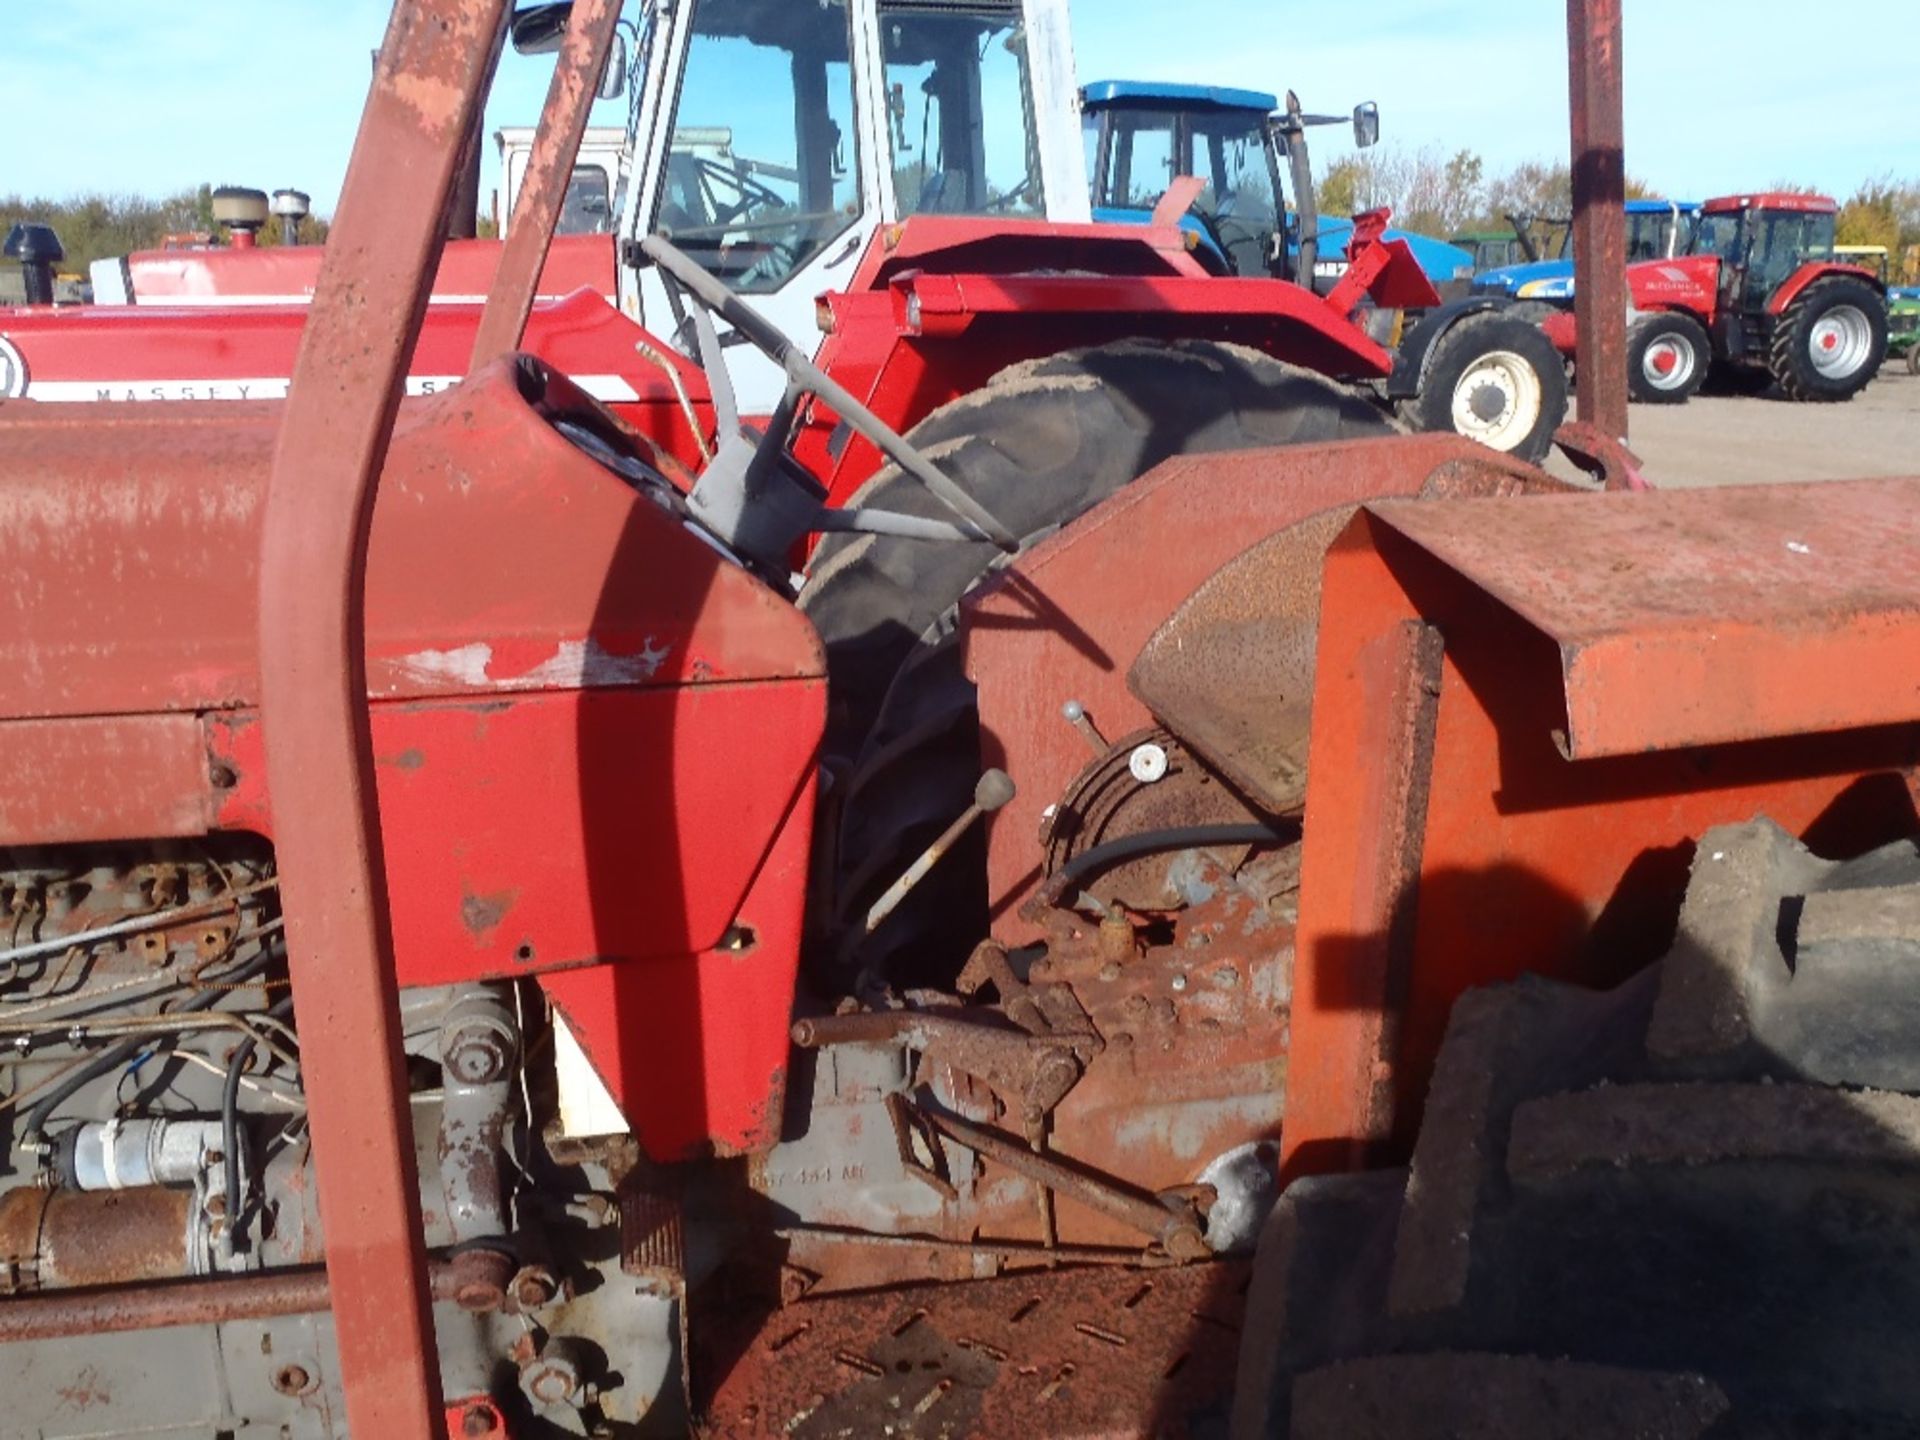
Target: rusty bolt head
<point>293,1380</point>
<point>478,1054</point>
<point>534,1286</point>
<point>478,1420</point>
<point>550,1378</point>
<point>480,1279</point>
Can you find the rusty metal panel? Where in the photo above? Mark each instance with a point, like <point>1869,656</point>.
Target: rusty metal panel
<point>1695,617</point>
<point>430,80</point>
<point>576,76</point>
<point>1599,211</point>
<point>1064,623</point>
<point>1068,1354</point>
<point>157,766</point>
<point>1530,860</point>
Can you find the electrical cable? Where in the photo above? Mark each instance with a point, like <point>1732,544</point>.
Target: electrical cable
<point>230,1126</point>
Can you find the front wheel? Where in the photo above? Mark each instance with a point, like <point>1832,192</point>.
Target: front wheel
<point>1496,380</point>
<point>1831,341</point>
<point>1667,359</point>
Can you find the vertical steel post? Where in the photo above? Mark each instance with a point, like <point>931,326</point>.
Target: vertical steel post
<point>1599,212</point>
<point>429,82</point>
<point>563,124</point>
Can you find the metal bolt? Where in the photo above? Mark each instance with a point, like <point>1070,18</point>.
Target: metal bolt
<point>1179,982</point>
<point>292,1380</point>
<point>479,1420</point>
<point>534,1286</point>
<point>1076,715</point>
<point>1148,763</point>
<point>550,1378</point>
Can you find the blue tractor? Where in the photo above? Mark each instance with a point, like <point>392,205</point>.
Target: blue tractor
<point>1463,367</point>
<point>1249,150</point>
<point>1656,230</point>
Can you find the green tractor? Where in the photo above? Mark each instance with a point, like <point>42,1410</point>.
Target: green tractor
<point>1903,327</point>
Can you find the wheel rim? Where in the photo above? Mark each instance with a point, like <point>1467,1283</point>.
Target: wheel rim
<point>1498,400</point>
<point>1668,363</point>
<point>1840,342</point>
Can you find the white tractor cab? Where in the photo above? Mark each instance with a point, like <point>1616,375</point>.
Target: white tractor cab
<point>599,179</point>
<point>798,127</point>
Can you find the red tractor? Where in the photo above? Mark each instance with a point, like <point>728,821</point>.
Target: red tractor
<point>991,984</point>
<point>1760,293</point>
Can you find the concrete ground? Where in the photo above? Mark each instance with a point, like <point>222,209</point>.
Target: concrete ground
<point>1716,440</point>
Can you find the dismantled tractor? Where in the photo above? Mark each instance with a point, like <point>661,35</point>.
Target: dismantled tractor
<point>719,946</point>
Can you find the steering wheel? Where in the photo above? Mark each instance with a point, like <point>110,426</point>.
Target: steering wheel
<point>1019,192</point>
<point>753,495</point>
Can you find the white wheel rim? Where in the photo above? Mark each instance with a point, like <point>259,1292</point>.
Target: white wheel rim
<point>1498,401</point>
<point>1668,363</point>
<point>1840,342</point>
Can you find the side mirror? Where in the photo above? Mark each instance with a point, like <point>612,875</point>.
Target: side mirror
<point>613,81</point>
<point>1366,125</point>
<point>539,29</point>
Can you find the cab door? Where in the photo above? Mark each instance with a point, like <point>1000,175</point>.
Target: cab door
<point>754,160</point>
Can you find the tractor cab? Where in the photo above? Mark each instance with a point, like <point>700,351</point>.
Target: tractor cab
<point>1762,242</point>
<point>1141,136</point>
<point>1247,148</point>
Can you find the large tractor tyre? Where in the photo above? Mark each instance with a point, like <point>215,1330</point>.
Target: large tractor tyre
<point>1668,356</point>
<point>1042,442</point>
<point>1495,379</point>
<point>1831,342</point>
<point>1045,441</point>
<point>1685,1208</point>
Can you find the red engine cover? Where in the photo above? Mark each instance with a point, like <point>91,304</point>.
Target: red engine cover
<point>595,737</point>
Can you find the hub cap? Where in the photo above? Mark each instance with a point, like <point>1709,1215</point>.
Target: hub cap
<point>1497,401</point>
<point>1841,342</point>
<point>1668,363</point>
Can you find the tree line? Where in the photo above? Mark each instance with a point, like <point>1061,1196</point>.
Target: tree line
<point>96,227</point>
<point>1436,193</point>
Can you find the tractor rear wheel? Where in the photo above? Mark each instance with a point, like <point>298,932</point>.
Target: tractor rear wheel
<point>1043,442</point>
<point>1683,1208</point>
<point>1831,342</point>
<point>1495,379</point>
<point>1667,358</point>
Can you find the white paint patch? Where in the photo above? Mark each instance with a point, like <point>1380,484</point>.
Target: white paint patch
<point>576,665</point>
<point>605,388</point>
<point>587,1107</point>
<point>1799,547</point>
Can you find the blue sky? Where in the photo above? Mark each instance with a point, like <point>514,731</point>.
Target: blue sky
<point>160,95</point>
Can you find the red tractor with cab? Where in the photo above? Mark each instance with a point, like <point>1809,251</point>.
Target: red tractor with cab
<point>1761,294</point>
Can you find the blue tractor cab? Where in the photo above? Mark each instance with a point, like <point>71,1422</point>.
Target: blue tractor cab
<point>1142,135</point>
<point>1656,230</point>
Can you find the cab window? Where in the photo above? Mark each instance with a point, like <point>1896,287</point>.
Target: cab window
<point>588,206</point>
<point>960,111</point>
<point>763,174</point>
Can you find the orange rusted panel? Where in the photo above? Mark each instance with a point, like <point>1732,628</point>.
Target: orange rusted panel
<point>1527,860</point>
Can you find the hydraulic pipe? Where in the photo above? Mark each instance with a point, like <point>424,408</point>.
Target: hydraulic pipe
<point>63,1315</point>
<point>430,78</point>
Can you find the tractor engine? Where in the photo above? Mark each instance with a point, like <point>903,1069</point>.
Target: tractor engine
<point>152,1094</point>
